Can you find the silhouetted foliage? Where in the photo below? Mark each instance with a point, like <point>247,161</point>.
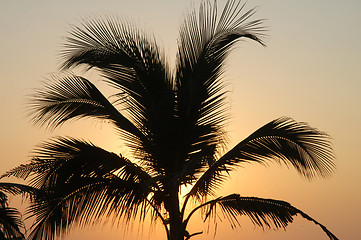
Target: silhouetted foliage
<point>173,123</point>
<point>11,224</point>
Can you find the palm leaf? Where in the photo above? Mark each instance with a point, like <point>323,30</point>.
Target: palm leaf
<point>16,188</point>
<point>305,148</point>
<point>79,183</point>
<point>136,67</point>
<point>11,225</point>
<point>128,60</point>
<point>262,212</point>
<point>61,159</point>
<point>84,202</point>
<point>72,97</point>
<point>204,43</point>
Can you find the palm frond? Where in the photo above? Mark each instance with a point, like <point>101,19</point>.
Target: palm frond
<point>11,225</point>
<point>297,144</point>
<point>135,66</point>
<point>267,213</point>
<point>85,202</point>
<point>204,44</point>
<point>78,183</point>
<point>72,97</point>
<point>62,159</point>
<point>128,60</point>
<point>17,188</point>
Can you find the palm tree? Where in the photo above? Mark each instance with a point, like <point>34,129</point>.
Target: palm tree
<point>173,124</point>
<point>11,224</point>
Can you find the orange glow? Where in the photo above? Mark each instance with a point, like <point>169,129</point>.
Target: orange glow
<point>308,72</point>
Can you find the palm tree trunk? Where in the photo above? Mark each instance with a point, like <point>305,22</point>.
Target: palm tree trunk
<point>175,220</point>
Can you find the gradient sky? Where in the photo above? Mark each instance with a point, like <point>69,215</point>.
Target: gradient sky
<point>310,70</point>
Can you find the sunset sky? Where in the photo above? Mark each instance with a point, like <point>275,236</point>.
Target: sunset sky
<point>310,71</point>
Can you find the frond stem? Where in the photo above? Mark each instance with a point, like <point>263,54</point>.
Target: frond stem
<point>185,222</point>
<point>184,205</point>
<point>161,217</point>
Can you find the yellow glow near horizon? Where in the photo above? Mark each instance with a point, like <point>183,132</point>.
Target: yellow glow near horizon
<point>310,71</point>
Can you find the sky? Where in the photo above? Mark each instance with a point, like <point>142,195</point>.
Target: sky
<point>310,71</point>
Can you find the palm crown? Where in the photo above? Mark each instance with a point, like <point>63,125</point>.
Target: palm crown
<point>173,122</point>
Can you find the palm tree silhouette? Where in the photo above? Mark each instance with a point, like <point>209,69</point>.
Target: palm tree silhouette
<point>173,123</point>
<point>11,224</point>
